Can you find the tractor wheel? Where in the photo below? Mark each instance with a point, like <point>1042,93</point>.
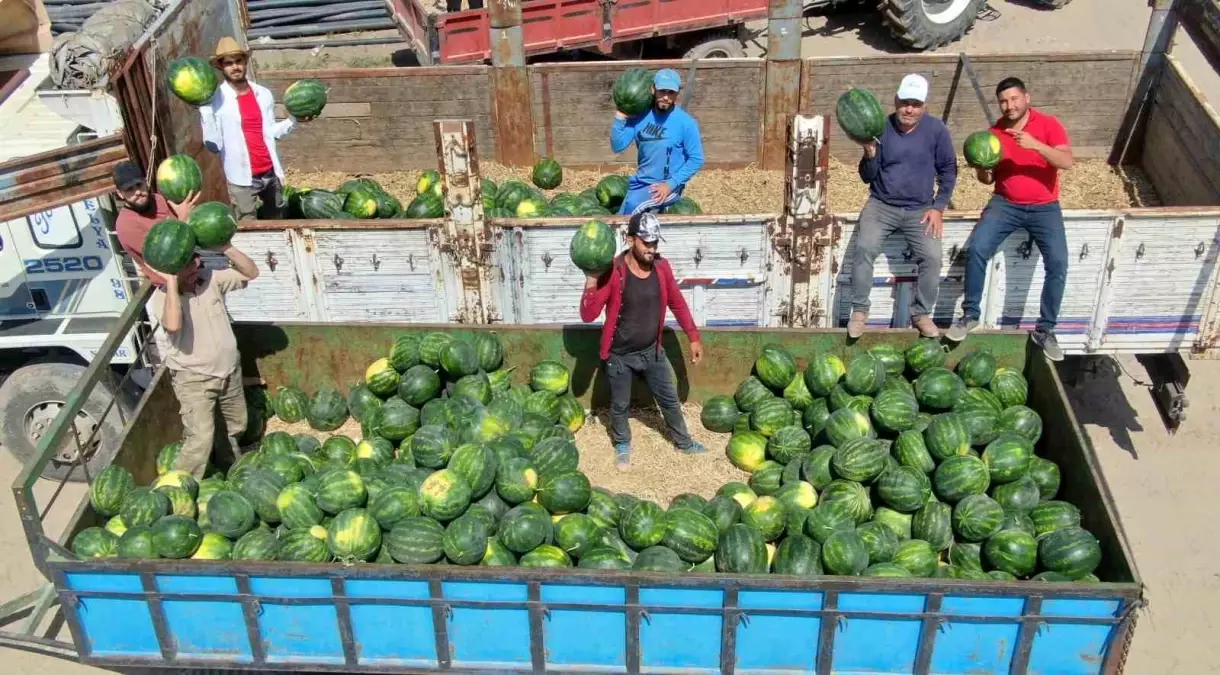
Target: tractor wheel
<point>928,24</point>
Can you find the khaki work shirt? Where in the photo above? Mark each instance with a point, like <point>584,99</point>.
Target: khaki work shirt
<point>205,344</point>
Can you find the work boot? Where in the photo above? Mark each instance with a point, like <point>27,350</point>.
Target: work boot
<point>695,448</point>
<point>855,325</point>
<point>622,456</point>
<point>961,329</point>
<point>1050,346</point>
<point>926,326</point>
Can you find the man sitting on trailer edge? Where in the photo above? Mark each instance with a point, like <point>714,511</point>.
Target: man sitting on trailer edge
<point>669,143</point>
<point>635,293</point>
<point>1036,148</point>
<point>141,209</point>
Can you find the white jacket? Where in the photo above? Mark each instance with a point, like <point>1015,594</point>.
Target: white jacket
<point>222,132</point>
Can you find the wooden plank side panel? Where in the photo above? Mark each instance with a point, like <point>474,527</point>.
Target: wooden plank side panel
<point>1183,143</point>
<point>1087,94</point>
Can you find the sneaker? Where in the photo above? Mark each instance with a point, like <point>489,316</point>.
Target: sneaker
<point>961,329</point>
<point>695,448</point>
<point>855,325</point>
<point>1050,346</point>
<point>622,455</point>
<point>926,326</point>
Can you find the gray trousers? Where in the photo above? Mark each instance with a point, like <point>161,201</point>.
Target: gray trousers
<point>659,376</point>
<point>878,221</point>
<point>264,199</point>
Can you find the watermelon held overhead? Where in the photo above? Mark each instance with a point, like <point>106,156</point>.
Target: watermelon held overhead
<point>593,247</point>
<point>547,174</point>
<point>178,176</point>
<point>169,246</point>
<point>305,99</point>
<point>213,224</point>
<point>632,92</point>
<point>860,115</point>
<point>191,79</point>
<point>982,150</point>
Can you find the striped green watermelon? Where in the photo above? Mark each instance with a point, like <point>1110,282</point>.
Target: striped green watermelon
<point>938,388</point>
<point>305,99</point>
<point>1009,386</point>
<point>1012,551</point>
<point>946,437</point>
<point>724,512</point>
<point>982,149</point>
<point>925,354</point>
<point>767,478</point>
<point>747,450</point>
<point>213,547</point>
<point>798,555</point>
<point>894,410</point>
<point>230,514</point>
<point>305,545</point>
<point>603,509</point>
<point>109,489</point>
<point>966,555</point>
<point>262,487</point>
<point>633,91</point>
<point>432,446</point>
<point>719,414</point>
<point>96,542</point>
<point>339,490</point>
<point>1014,520</point>
<point>981,421</point>
<point>327,410</point>
<point>1021,420</point>
<point>169,245</point>
<point>256,545</point>
<point>465,541</point>
<point>767,515</point>
<point>1046,475</point>
<point>977,368</point>
<point>444,495</point>
<point>181,503</point>
<point>829,517</point>
<point>933,523</point>
<point>789,442</point>
<point>167,459</point>
<point>554,456</point>
<point>525,527</point>
<point>143,507</point>
<point>545,404</point>
<point>770,416</point>
<point>394,505</point>
<point>1053,515</point>
<point>497,555</point>
<point>416,541</point>
<point>859,459</point>
<point>1071,551</point>
<point>593,246</point>
<point>136,542</point>
<point>642,525</point>
<point>516,480</point>
<point>577,534</point>
<point>898,383</point>
<point>291,404</point>
<point>430,347</point>
<point>976,517</point>
<point>176,537</point>
<point>910,450</point>
<point>775,367</point>
<point>213,224</point>
<point>846,424</point>
<point>381,378</point>
<point>860,115</point>
<point>604,558</point>
<point>690,534</point>
<point>741,550</point>
<point>892,357</point>
<point>904,488</point>
<point>192,79</point>
<point>404,353</point>
<point>853,494</point>
<point>546,555</point>
<point>890,570</point>
<point>844,553</point>
<point>917,557</point>
<point>1008,458</point>
<point>797,393</point>
<point>823,373</point>
<point>960,477</point>
<point>815,417</point>
<point>177,177</point>
<point>750,393</point>
<point>297,507</point>
<point>550,376</point>
<point>865,375</point>
<point>475,464</point>
<point>338,449</point>
<point>880,540</point>
<point>566,492</point>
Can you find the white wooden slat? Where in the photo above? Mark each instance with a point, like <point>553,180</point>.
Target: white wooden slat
<point>276,294</point>
<point>377,275</point>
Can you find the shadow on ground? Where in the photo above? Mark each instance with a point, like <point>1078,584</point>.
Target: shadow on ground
<point>1095,390</point>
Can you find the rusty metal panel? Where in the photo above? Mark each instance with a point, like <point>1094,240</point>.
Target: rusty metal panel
<point>513,116</point>
<point>377,275</point>
<point>278,294</point>
<point>62,176</point>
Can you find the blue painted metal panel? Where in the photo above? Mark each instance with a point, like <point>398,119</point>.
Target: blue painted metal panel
<point>856,640</point>
<point>412,639</point>
<point>298,633</point>
<point>1068,649</point>
<point>115,627</point>
<point>205,629</point>
<point>678,641</point>
<point>771,644</point>
<point>1081,608</point>
<point>489,638</point>
<point>977,647</point>
<point>581,638</point>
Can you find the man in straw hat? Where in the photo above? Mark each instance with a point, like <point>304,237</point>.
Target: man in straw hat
<point>239,124</point>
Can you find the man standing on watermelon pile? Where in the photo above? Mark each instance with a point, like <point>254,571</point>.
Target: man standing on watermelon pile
<point>913,152</point>
<point>143,208</point>
<point>239,125</point>
<point>670,147</point>
<point>1036,148</point>
<point>197,344</point>
<point>635,293</point>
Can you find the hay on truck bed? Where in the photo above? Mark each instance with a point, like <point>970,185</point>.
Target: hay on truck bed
<point>1090,184</point>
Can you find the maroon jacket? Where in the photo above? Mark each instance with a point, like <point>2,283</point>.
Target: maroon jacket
<point>609,295</point>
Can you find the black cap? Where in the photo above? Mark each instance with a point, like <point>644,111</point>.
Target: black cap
<point>127,175</point>
<point>646,226</point>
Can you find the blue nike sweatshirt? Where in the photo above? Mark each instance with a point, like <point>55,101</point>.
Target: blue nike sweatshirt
<point>669,145</point>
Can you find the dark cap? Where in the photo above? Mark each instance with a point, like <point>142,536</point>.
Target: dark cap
<point>127,175</point>
<point>646,226</point>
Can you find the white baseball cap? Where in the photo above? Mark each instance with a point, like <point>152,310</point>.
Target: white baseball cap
<point>913,88</point>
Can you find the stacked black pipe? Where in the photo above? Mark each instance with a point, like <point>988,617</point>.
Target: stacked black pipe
<point>68,15</point>
<point>286,19</point>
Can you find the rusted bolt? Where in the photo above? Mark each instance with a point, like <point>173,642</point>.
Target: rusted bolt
<point>1139,252</point>
<point>271,261</point>
<point>547,259</point>
<point>1200,250</point>
<point>698,256</point>
<point>411,261</point>
<point>376,262</point>
<point>743,255</point>
<point>338,262</point>
<point>1084,251</point>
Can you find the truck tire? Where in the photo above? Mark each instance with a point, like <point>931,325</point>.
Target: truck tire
<point>928,24</point>
<point>33,395</point>
<point>717,48</point>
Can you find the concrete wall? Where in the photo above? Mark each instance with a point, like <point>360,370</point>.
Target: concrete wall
<point>1182,142</point>
<point>381,119</point>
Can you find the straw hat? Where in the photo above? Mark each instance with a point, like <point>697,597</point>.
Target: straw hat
<point>227,47</point>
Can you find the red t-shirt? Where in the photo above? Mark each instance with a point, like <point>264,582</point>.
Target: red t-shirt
<point>1024,176</point>
<point>252,128</point>
<point>131,227</point>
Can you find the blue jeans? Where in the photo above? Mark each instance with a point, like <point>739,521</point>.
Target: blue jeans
<point>659,376</point>
<point>1000,218</point>
<point>640,199</point>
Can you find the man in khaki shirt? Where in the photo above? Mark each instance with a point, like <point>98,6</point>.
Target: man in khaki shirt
<point>200,350</point>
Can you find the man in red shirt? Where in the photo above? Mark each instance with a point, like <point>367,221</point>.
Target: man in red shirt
<point>1035,149</point>
<point>635,292</point>
<point>141,209</point>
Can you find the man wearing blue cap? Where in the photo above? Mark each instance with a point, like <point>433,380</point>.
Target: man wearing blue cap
<point>670,148</point>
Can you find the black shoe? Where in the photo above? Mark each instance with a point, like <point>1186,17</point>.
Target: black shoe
<point>1050,346</point>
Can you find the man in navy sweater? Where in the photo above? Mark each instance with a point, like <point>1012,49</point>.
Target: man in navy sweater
<point>900,168</point>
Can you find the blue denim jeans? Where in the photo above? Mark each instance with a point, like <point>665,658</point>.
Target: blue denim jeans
<point>1000,218</point>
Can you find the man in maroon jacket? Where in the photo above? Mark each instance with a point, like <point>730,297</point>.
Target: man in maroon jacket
<point>635,293</point>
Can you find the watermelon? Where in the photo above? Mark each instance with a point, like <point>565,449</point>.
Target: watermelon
<point>181,503</point>
<point>546,555</point>
<point>938,388</point>
<point>256,545</point>
<point>339,449</point>
<point>1046,476</point>
<point>177,177</point>
<point>844,553</point>
<point>798,555</point>
<point>890,570</point>
<point>544,404</point>
<point>419,384</point>
<point>430,347</point>
<point>213,547</point>
<point>719,414</point>
<point>136,542</point>
<point>291,404</point>
<point>297,507</point>
<point>966,555</point>
<point>116,526</point>
<point>632,92</point>
<point>109,488</point>
<point>167,459</point>
<point>565,492</point>
<point>823,373</point>
<point>685,206</point>
<point>881,542</point>
<point>977,517</point>
<point>547,174</point>
<point>854,494</point>
<point>396,420</point>
<point>660,559</point>
<point>933,523</point>
<point>797,394</point>
<point>767,515</point>
<point>213,224</point>
<point>775,367</point>
<point>192,79</point>
<point>1012,551</point>
<point>143,507</point>
<point>979,395</point>
<point>465,541</point>
<point>925,354</point>
<point>846,424</point>
<point>577,534</point>
<point>381,378</point>
<point>829,517</point>
<point>1021,420</point>
<point>770,416</point>
<point>404,353</point>
<point>497,555</point>
<point>525,527</point>
<point>430,183</point>
<point>894,410</point>
<point>327,410</point>
<point>394,505</point>
<point>339,490</point>
<point>977,368</point>
<point>500,380</point>
<point>910,450</point>
<point>797,496</point>
<point>262,487</point>
<point>1071,551</point>
<point>459,359</point>
<point>444,495</point>
<point>571,413</point>
<point>1014,520</point>
<point>816,469</point>
<point>981,421</point>
<point>747,450</point>
<point>642,525</point>
<point>95,542</point>
<point>277,443</point>
<point>946,436</point>
<point>1053,515</point>
<point>169,246</point>
<point>982,150</point>
<point>322,205</point>
<point>904,488</point>
<point>1009,386</point>
<point>176,537</point>
<point>690,534</point>
<point>960,477</point>
<point>917,557</point>
<point>865,375</point>
<point>550,376</point>
<point>741,550</point>
<point>859,459</point>
<point>788,443</point>
<point>305,99</point>
<point>604,558</point>
<point>860,115</point>
<point>1008,458</point>
<point>308,545</point>
<point>377,449</point>
<point>416,541</point>
<point>611,191</point>
<point>1001,575</point>
<point>553,456</point>
<point>516,480</point>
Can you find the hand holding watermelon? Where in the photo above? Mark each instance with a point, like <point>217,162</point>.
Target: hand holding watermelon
<point>183,208</point>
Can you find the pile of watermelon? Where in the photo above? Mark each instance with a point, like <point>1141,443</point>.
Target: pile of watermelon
<point>360,198</point>
<point>858,470</point>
